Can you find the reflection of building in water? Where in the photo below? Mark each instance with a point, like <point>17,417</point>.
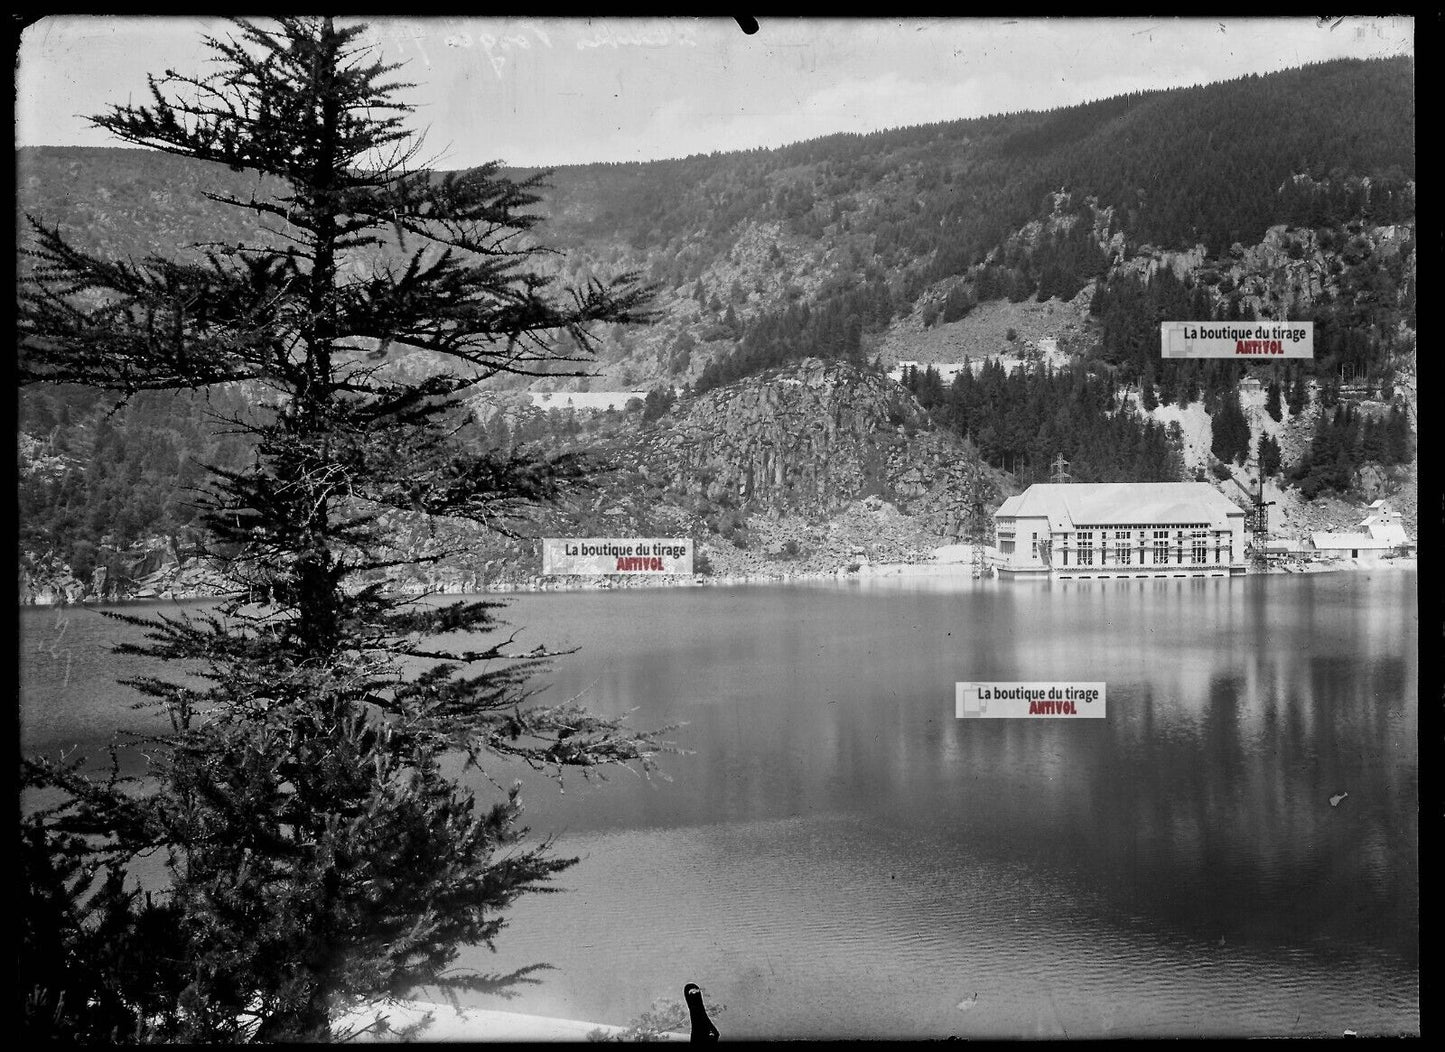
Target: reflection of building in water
<point>1120,529</point>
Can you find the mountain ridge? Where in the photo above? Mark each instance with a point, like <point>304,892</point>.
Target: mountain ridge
<point>927,243</point>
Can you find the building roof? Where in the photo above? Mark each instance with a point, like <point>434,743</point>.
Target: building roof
<point>1076,504</point>
<point>1347,540</point>
<point>1392,532</point>
<point>1384,524</point>
<point>1285,544</point>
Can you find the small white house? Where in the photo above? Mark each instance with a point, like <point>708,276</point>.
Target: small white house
<point>1359,546</point>
<point>1380,533</point>
<point>586,401</point>
<point>1385,524</point>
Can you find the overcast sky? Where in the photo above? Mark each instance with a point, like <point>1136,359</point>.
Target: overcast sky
<point>551,91</point>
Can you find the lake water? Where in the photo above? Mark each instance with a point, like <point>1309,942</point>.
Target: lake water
<point>839,855</point>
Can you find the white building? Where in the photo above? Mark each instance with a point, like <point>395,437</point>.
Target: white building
<point>1384,524</point>
<point>1120,529</point>
<point>594,401</point>
<point>946,370</point>
<point>1348,546</point>
<point>1380,533</point>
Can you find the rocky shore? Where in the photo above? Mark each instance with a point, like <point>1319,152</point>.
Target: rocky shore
<point>440,1022</point>
<point>149,571</point>
<point>955,561</point>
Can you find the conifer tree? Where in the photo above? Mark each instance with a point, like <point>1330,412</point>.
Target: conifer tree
<point>1272,404</point>
<point>1298,395</point>
<point>1149,397</point>
<point>320,848</point>
<point>1229,430</point>
<point>1397,437</point>
<point>1372,441</point>
<point>1168,382</point>
<point>1269,456</point>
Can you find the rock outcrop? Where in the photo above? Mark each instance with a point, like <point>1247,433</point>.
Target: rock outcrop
<point>814,438</point>
<point>1290,269</point>
<point>152,569</point>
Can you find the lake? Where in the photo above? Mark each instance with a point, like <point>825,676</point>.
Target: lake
<point>1233,850</point>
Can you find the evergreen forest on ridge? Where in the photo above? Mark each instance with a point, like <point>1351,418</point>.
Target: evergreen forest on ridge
<point>1287,195</point>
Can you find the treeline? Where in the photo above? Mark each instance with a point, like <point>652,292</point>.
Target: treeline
<point>103,475</point>
<point>129,203</point>
<point>927,221</point>
<point>1344,441</point>
<point>1218,164</point>
<point>1335,199</point>
<point>1358,332</point>
<point>1059,265</point>
<point>1021,421</point>
<point>833,328</point>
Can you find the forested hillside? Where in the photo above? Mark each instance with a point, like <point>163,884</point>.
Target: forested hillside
<point>863,228</point>
<point>1020,420</point>
<point>1214,164</point>
<point>1285,195</point>
<point>867,227</point>
<point>94,479</point>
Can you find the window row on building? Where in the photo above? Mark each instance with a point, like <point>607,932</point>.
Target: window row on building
<point>1159,554</point>
<point>1055,528</point>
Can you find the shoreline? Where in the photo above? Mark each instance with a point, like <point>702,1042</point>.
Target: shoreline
<point>575,583</point>
<point>884,571</point>
<point>464,1023</point>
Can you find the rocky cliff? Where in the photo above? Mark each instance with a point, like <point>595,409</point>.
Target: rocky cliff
<point>813,439</point>
<point>151,569</point>
<point>1291,268</point>
<point>801,470</point>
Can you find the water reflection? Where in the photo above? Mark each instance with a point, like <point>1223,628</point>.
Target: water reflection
<point>1178,867</point>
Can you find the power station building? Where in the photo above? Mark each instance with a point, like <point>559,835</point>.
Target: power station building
<point>1120,529</point>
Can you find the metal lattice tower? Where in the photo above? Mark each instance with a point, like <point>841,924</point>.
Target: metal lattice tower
<point>1059,464</point>
<point>974,522</point>
<point>1256,522</point>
